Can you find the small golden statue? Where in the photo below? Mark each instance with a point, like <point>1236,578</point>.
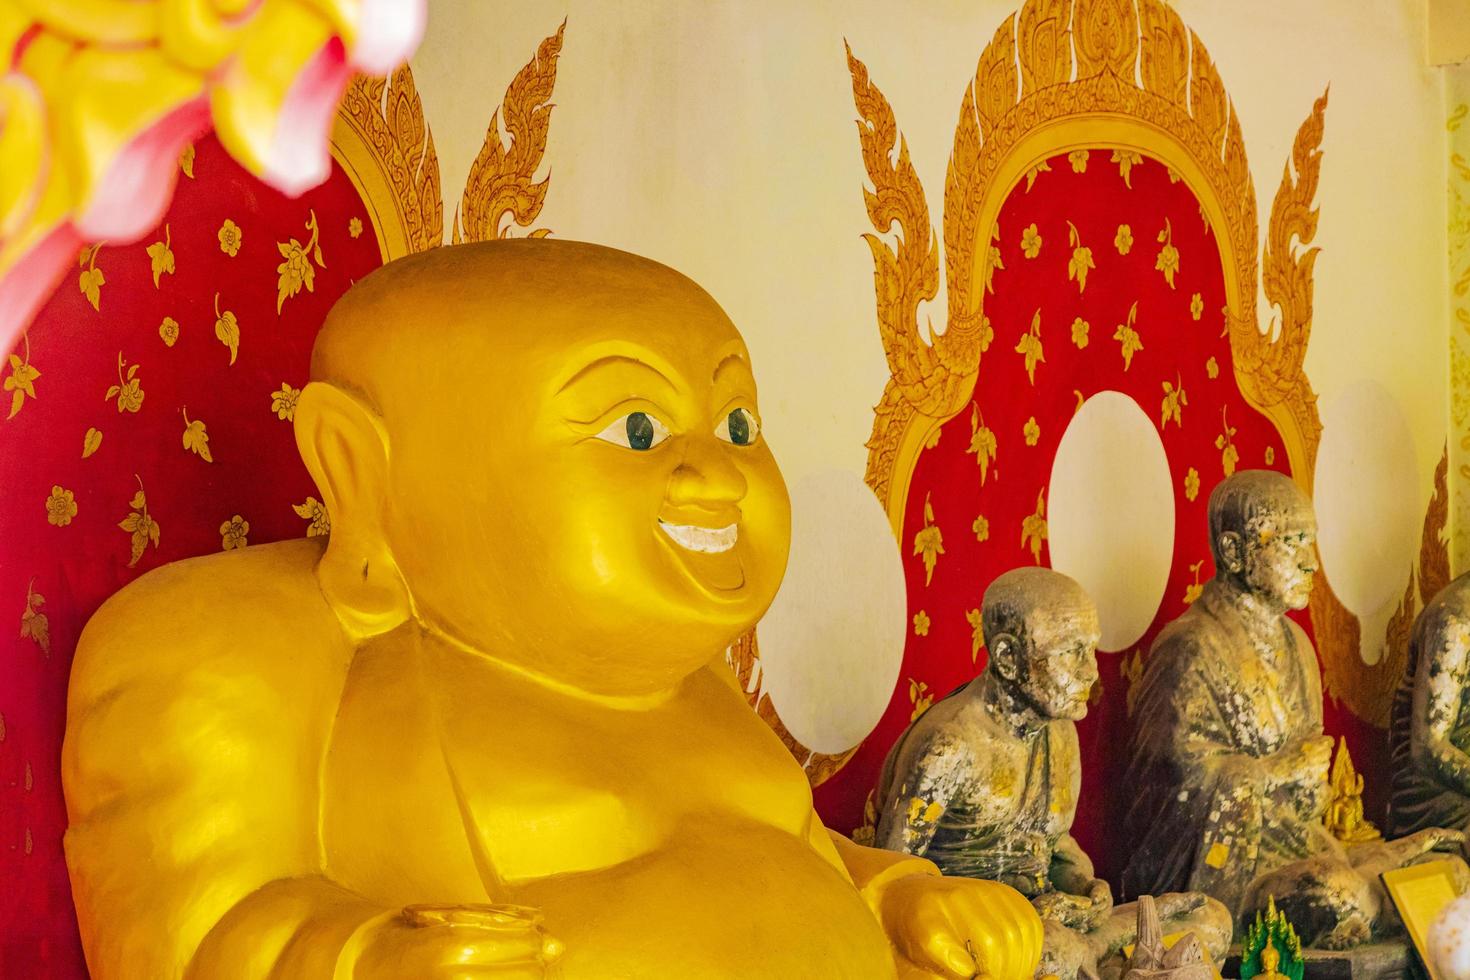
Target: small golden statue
<point>1344,815</point>
<point>488,726</point>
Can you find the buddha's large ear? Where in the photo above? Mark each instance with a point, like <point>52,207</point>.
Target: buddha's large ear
<point>345,446</point>
<point>1004,648</point>
<point>1230,548</point>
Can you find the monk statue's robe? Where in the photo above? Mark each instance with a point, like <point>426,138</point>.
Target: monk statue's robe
<point>1218,784</point>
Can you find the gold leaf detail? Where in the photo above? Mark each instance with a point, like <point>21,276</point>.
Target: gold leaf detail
<point>196,439</point>
<point>230,238</point>
<point>91,442</point>
<point>1041,168</point>
<point>140,525</point>
<point>315,512</point>
<point>1174,400</point>
<point>921,623</point>
<point>232,533</point>
<point>1029,346</point>
<point>1033,528</point>
<point>1126,161</point>
<point>501,183</point>
<point>61,507</point>
<point>283,402</point>
<point>1195,590</point>
<point>1128,337</point>
<point>33,624</point>
<point>1168,258</point>
<point>982,442</point>
<point>1031,241</point>
<point>1191,484</point>
<point>1031,431</point>
<point>186,161</point>
<point>929,542</point>
<point>981,527</point>
<point>391,115</point>
<point>1081,259</point>
<point>1078,160</point>
<point>297,270</point>
<point>129,388</point>
<point>168,330</point>
<point>1123,240</point>
<point>1080,328</point>
<point>1225,442</point>
<point>226,329</point>
<point>161,256</point>
<point>1196,306</point>
<point>977,633</point>
<point>91,279</point>
<point>21,381</point>
<point>919,695</point>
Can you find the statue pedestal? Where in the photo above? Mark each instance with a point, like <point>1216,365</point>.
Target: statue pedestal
<point>1390,960</point>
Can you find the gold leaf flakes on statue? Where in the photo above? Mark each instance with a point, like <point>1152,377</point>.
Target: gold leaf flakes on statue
<point>21,380</point>
<point>1126,161</point>
<point>1078,160</point>
<point>501,182</point>
<point>283,402</point>
<point>1197,588</point>
<point>140,525</point>
<point>315,511</point>
<point>982,441</point>
<point>91,281</point>
<point>1174,400</point>
<point>297,269</point>
<point>230,238</point>
<point>1029,346</point>
<point>1191,484</point>
<point>921,623</point>
<point>129,388</point>
<point>186,161</point>
<point>232,533</point>
<point>1128,337</point>
<point>929,542</point>
<point>1344,817</point>
<point>1123,240</point>
<point>161,256</point>
<point>1031,431</point>
<point>1041,168</point>
<point>168,331</point>
<point>981,527</point>
<point>196,439</point>
<point>1033,528</point>
<point>1031,241</point>
<point>1224,442</point>
<point>33,623</point>
<point>977,633</point>
<point>1079,332</point>
<point>919,695</point>
<point>1081,259</point>
<point>91,442</point>
<point>1167,261</point>
<point>226,329</point>
<point>61,507</point>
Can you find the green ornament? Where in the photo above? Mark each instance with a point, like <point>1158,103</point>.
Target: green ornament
<point>1273,931</point>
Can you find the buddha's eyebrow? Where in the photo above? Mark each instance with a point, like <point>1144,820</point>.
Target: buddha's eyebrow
<point>613,361</point>
<point>730,361</point>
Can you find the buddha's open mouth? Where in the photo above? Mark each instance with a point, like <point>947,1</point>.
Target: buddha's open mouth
<point>706,540</point>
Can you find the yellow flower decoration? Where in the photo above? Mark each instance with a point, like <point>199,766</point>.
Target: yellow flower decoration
<point>1196,306</point>
<point>61,507</point>
<point>169,331</point>
<point>1191,484</point>
<point>1197,588</point>
<point>297,270</point>
<point>929,542</point>
<point>140,525</point>
<point>1031,241</point>
<point>994,262</point>
<point>1225,442</point>
<point>196,439</point>
<point>1126,161</point>
<point>981,527</point>
<point>1079,332</point>
<point>977,632</point>
<point>232,533</point>
<point>91,280</point>
<point>1128,337</point>
<point>1031,431</point>
<point>1078,160</point>
<point>315,511</point>
<point>1123,240</point>
<point>1174,400</point>
<point>1270,455</point>
<point>1081,259</point>
<point>283,402</point>
<point>919,695</point>
<point>230,238</point>
<point>987,334</point>
<point>1168,258</point>
<point>161,256</point>
<point>354,227</point>
<point>1041,168</point>
<point>34,626</point>
<point>1029,346</point>
<point>921,623</point>
<point>982,442</point>
<point>21,383</point>
<point>1212,368</point>
<point>1033,528</point>
<point>128,391</point>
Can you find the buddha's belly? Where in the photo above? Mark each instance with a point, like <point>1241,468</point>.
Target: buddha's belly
<point>732,900</point>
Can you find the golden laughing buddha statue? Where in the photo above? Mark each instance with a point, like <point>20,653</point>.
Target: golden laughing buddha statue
<point>488,729</point>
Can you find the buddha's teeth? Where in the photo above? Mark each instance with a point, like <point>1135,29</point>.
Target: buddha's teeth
<point>705,539</point>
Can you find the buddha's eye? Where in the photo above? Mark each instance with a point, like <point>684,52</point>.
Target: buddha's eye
<point>739,427</point>
<point>636,430</point>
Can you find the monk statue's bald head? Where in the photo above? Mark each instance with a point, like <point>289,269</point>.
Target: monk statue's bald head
<point>551,441</point>
<point>1263,536</point>
<point>1041,631</point>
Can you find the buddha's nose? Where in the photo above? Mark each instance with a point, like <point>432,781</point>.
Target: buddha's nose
<point>707,476</point>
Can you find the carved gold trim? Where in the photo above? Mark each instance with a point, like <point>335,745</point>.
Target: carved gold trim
<point>1060,75</point>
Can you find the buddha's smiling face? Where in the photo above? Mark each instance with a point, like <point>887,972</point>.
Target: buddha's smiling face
<point>585,488</point>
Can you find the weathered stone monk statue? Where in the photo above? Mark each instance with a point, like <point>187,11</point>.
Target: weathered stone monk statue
<point>985,782</point>
<point>1228,779</point>
<point>487,730</point>
<point>1430,728</point>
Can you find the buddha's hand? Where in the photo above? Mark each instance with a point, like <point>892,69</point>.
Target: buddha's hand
<point>961,927</point>
<point>455,942</point>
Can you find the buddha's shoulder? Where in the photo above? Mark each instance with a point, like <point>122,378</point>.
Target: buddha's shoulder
<point>1195,639</point>
<point>255,611</point>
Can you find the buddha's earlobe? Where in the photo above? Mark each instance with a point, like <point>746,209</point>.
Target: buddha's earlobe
<point>1230,552</point>
<point>345,447</point>
<point>1003,656</point>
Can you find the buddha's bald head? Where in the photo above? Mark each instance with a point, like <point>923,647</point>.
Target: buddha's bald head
<point>1263,536</point>
<point>1041,629</point>
<point>573,473</point>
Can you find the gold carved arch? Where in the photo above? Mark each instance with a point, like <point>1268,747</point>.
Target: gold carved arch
<point>1126,75</point>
